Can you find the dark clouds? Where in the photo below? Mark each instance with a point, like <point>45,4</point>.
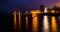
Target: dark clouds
<point>26,4</point>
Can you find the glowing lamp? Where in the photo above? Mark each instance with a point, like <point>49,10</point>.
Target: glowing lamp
<point>45,11</point>
<point>53,11</point>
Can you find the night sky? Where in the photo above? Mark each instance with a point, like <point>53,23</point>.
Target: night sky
<point>26,4</point>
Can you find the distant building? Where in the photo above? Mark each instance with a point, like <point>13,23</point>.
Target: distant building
<point>42,8</point>
<point>36,11</point>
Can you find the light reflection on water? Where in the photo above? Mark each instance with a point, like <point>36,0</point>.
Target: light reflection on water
<point>26,22</point>
<point>15,20</point>
<point>34,23</point>
<point>45,24</point>
<point>53,24</point>
<point>19,20</point>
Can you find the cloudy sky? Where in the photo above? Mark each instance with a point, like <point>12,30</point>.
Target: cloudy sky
<point>27,4</point>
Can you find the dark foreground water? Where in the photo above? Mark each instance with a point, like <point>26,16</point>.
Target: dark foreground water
<point>37,23</point>
<point>29,23</point>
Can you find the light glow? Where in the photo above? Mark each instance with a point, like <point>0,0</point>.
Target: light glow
<point>34,22</point>
<point>26,22</point>
<point>19,18</point>
<point>53,11</point>
<point>45,24</point>
<point>36,11</point>
<point>54,25</point>
<point>45,11</point>
<point>15,20</point>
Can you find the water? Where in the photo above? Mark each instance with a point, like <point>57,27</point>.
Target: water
<point>35,24</point>
<point>19,20</point>
<point>54,24</point>
<point>45,24</point>
<point>26,22</point>
<point>15,20</point>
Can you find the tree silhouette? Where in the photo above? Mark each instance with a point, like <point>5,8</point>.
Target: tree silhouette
<point>41,8</point>
<point>56,8</point>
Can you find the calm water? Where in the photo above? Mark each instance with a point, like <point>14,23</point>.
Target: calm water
<point>36,23</point>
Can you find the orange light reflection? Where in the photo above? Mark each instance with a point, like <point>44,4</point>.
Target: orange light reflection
<point>26,22</point>
<point>34,22</point>
<point>54,25</point>
<point>19,22</point>
<point>14,19</point>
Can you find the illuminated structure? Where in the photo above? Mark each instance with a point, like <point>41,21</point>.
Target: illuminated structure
<point>45,10</point>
